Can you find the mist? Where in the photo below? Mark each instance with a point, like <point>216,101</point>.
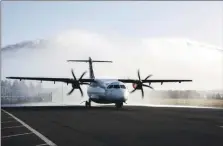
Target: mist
<point>165,58</point>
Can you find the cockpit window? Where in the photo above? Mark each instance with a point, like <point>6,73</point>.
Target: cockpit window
<point>110,86</point>
<point>116,86</point>
<point>122,86</point>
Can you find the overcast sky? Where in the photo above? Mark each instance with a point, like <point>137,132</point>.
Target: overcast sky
<point>128,33</point>
<point>201,21</point>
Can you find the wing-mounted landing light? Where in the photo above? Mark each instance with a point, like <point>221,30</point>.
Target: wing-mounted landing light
<point>138,85</point>
<point>76,83</point>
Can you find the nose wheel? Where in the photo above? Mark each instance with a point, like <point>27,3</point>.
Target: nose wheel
<point>119,105</point>
<point>88,103</point>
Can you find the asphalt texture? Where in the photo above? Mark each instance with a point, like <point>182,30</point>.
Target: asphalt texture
<point>108,126</point>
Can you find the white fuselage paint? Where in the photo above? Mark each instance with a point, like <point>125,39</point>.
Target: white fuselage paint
<point>107,91</point>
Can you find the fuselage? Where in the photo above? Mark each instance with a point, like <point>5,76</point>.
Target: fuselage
<point>107,91</point>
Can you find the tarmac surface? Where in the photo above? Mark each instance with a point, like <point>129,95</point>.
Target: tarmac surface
<point>108,126</point>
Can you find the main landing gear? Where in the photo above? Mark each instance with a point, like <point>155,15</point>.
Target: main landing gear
<point>119,105</point>
<point>88,103</point>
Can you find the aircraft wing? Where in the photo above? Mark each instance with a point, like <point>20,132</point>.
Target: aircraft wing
<point>65,80</point>
<point>152,81</point>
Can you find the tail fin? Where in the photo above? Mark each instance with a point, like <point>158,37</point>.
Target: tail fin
<point>90,61</point>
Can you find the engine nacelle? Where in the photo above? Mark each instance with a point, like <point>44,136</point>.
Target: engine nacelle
<point>134,85</point>
<point>75,85</point>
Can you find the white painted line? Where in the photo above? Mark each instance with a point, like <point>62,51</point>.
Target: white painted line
<point>16,135</point>
<point>12,127</point>
<point>8,121</point>
<point>221,126</point>
<point>49,142</point>
<point>42,144</point>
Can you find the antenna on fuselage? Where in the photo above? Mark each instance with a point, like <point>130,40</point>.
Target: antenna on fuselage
<point>90,61</point>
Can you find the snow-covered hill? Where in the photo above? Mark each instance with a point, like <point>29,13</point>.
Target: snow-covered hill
<point>38,44</point>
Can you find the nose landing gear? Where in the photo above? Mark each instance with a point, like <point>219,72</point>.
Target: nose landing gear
<point>119,105</point>
<point>88,103</point>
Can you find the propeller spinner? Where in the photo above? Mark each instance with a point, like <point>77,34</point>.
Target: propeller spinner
<point>76,83</point>
<point>139,84</point>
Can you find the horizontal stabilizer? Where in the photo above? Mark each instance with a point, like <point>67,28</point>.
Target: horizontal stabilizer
<point>88,61</point>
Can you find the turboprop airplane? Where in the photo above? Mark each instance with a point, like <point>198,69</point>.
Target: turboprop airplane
<point>102,91</point>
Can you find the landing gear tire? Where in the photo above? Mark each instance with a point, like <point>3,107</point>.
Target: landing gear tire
<point>88,104</point>
<point>119,105</point>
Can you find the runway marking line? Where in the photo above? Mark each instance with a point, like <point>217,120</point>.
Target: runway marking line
<point>221,126</point>
<point>49,142</point>
<point>12,127</point>
<point>16,135</point>
<point>9,117</point>
<point>8,121</point>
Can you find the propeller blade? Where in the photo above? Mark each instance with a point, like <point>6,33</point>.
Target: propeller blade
<point>70,91</point>
<point>148,77</point>
<point>77,83</point>
<point>133,90</point>
<point>147,86</point>
<point>73,74</point>
<point>139,75</point>
<point>82,94</point>
<point>82,75</point>
<point>142,92</point>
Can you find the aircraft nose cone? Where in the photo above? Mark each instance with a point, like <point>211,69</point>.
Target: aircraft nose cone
<point>122,95</point>
<point>126,94</point>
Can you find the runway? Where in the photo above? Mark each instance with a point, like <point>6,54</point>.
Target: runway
<point>107,126</point>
